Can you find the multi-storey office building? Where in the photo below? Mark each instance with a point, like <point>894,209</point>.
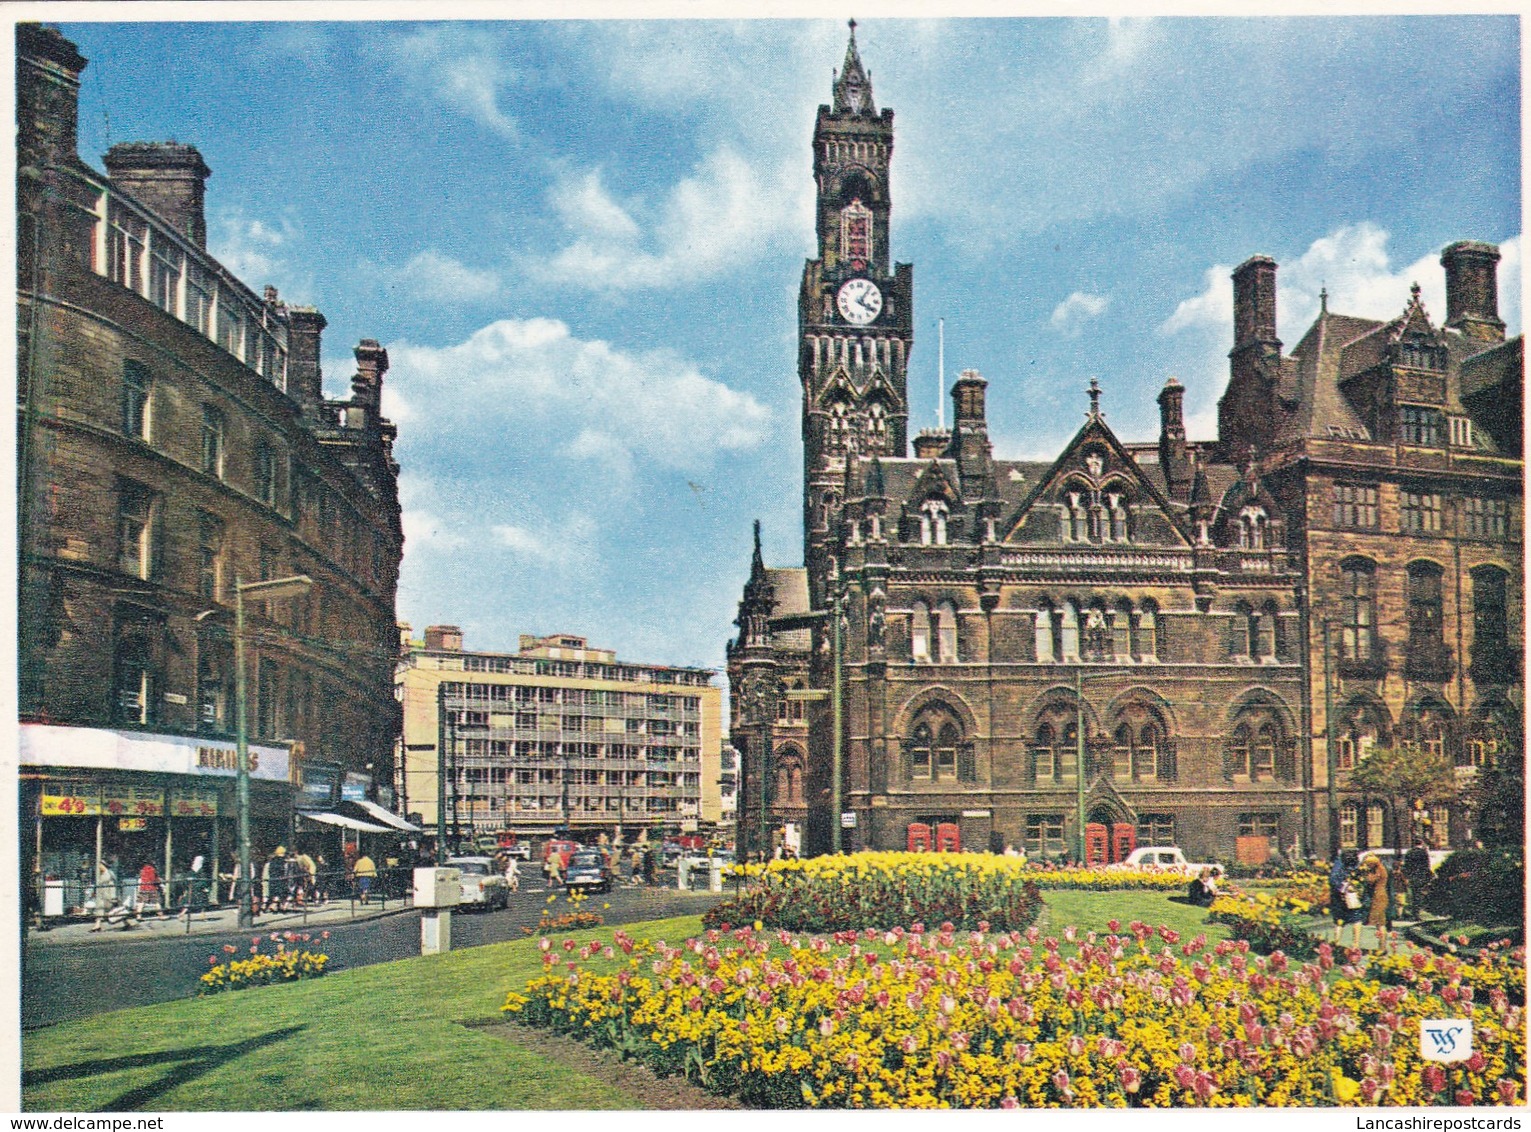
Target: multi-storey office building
<point>175,441</point>
<point>556,736</point>
<point>1130,637</point>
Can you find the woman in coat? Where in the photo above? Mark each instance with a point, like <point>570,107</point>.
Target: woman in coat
<point>1341,878</point>
<point>1374,877</point>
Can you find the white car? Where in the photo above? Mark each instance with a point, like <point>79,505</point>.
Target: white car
<point>1165,858</point>
<point>483,886</point>
<point>695,863</point>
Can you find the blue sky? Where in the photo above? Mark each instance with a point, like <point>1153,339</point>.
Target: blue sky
<point>581,243</point>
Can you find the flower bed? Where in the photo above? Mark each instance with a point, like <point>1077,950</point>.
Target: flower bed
<point>1269,922</point>
<point>1133,1018</point>
<point>839,893</point>
<point>286,963</point>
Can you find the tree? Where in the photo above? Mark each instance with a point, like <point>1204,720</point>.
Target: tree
<point>1500,798</point>
<point>1403,774</point>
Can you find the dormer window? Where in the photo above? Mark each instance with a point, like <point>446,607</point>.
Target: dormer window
<point>1420,426</point>
<point>933,523</point>
<point>1461,432</point>
<point>1252,528</point>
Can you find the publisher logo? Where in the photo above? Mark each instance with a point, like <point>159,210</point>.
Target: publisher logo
<point>1446,1039</point>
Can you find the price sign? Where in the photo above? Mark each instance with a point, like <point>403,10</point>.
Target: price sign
<point>193,802</point>
<point>70,800</point>
<point>132,801</point>
<point>132,825</point>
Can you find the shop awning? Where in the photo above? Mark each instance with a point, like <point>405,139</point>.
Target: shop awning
<point>340,820</point>
<point>387,817</point>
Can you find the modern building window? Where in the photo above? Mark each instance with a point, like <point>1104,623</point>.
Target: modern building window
<point>1355,506</point>
<point>946,633</point>
<point>1420,426</point>
<point>137,390</point>
<point>209,557</point>
<point>1427,657</point>
<point>1358,603</point>
<point>137,523</point>
<point>919,631</point>
<point>1485,518</point>
<point>212,441</point>
<point>1419,512</point>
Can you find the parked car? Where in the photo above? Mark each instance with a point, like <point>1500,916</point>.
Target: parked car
<point>520,850</point>
<point>487,844</point>
<point>1167,858</point>
<point>699,861</point>
<point>483,886</point>
<point>587,868</point>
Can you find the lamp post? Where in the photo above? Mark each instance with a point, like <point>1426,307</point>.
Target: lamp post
<point>256,591</point>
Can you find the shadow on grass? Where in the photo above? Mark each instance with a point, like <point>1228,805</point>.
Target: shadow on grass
<point>189,1064</point>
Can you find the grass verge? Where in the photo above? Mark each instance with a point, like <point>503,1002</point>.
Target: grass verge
<point>382,1037</point>
<point>1091,911</point>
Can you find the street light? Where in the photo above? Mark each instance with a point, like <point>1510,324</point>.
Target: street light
<point>257,591</point>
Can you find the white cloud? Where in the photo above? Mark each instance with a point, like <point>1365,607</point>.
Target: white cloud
<point>567,544</point>
<point>258,251</point>
<point>432,275</point>
<point>533,380</point>
<point>726,212</point>
<point>463,68</point>
<point>1079,308</point>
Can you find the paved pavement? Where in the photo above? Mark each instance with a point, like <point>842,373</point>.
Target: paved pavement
<point>70,972</point>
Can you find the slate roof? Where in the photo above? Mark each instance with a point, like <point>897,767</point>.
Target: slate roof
<point>789,588</point>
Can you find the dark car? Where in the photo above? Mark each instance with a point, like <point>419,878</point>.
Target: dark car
<point>588,869</point>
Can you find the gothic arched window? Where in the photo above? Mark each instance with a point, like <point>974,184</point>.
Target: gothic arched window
<point>919,631</point>
<point>1358,604</point>
<point>933,523</point>
<point>934,746</point>
<point>946,633</point>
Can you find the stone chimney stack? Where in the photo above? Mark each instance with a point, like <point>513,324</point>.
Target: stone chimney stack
<point>1254,301</point>
<point>166,177</point>
<point>931,443</point>
<point>1472,290</point>
<point>305,381</point>
<point>443,638</point>
<point>1172,446</point>
<point>47,96</point>
<point>367,385</point>
<point>970,434</point>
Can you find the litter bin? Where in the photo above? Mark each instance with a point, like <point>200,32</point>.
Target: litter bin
<point>53,897</point>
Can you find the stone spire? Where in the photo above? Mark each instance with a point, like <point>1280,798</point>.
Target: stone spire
<point>853,86</point>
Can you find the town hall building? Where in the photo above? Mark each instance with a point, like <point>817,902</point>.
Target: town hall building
<point>1139,642</point>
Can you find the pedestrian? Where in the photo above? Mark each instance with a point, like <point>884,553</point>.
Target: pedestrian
<point>1374,876</point>
<point>1417,877</point>
<point>305,869</point>
<point>150,892</point>
<point>1203,889</point>
<point>365,872</point>
<point>512,874</point>
<point>106,892</point>
<point>192,897</point>
<point>648,866</point>
<point>321,880</point>
<point>554,867</point>
<point>1345,896</point>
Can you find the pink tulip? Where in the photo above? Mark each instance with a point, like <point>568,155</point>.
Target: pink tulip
<point>1434,1078</point>
<point>1508,1090</point>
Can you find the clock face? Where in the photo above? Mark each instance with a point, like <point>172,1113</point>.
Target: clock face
<point>859,301</point>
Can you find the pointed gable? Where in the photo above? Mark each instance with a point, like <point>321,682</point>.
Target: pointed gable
<point>1095,494</point>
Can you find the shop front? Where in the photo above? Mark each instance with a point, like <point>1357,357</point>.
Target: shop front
<point>130,800</point>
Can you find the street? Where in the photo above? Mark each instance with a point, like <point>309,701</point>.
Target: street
<point>68,980</point>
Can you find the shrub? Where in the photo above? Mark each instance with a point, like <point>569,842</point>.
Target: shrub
<point>1486,885</point>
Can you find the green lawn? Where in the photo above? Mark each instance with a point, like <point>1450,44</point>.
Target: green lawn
<point>382,1037</point>
<point>389,1036</point>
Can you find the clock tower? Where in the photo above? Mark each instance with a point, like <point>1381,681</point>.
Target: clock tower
<point>854,310</point>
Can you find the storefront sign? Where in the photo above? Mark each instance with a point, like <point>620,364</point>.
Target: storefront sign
<point>193,802</point>
<point>319,786</point>
<point>354,788</point>
<point>71,799</point>
<point>132,801</point>
<point>132,825</point>
<point>47,744</point>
